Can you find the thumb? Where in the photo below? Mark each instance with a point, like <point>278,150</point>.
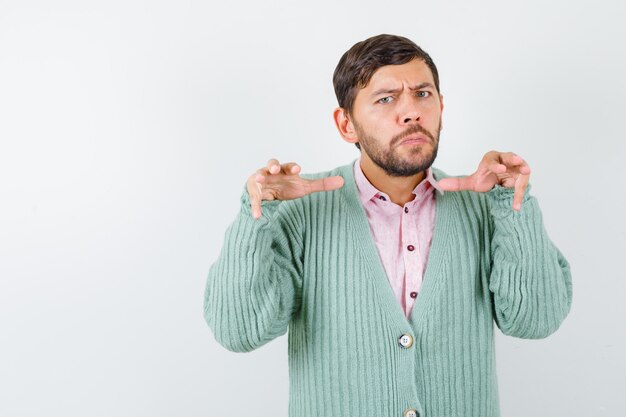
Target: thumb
<point>325,184</point>
<point>457,184</point>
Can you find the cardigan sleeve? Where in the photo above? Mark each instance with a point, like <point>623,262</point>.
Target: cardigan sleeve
<point>530,278</point>
<point>254,287</point>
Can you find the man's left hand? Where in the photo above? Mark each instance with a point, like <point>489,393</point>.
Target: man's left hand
<point>504,168</point>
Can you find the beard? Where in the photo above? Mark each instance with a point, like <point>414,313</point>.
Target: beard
<point>419,159</point>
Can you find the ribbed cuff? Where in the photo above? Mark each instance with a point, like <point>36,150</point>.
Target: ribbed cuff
<point>501,201</point>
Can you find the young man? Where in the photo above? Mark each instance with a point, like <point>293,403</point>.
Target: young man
<point>389,275</point>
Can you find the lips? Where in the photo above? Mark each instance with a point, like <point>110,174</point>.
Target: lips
<point>415,139</point>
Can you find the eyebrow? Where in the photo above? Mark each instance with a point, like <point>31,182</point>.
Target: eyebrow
<point>396,90</point>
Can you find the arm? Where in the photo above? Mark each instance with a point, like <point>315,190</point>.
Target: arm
<point>253,288</point>
<point>530,279</point>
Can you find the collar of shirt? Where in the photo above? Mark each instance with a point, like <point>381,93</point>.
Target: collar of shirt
<point>367,191</point>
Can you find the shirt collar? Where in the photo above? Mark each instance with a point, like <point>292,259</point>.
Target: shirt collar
<point>367,191</point>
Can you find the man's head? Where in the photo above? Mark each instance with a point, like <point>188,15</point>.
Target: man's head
<point>387,88</point>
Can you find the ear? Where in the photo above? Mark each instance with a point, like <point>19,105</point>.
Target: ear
<point>344,125</point>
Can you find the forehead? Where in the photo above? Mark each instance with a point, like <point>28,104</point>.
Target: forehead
<point>412,73</point>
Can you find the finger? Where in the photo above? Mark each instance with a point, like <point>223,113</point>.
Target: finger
<point>457,184</point>
<point>491,162</point>
<point>260,176</point>
<point>520,187</point>
<point>290,168</point>
<point>511,159</point>
<point>254,192</point>
<point>497,168</point>
<point>525,169</point>
<point>324,184</point>
<point>490,158</point>
<point>273,166</point>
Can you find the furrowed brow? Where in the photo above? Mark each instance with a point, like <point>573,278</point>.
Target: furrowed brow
<point>397,90</point>
<point>385,91</point>
<point>422,85</point>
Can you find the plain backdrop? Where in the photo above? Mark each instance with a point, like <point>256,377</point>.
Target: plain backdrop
<point>128,129</point>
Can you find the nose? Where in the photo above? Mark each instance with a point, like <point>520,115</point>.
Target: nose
<point>411,118</point>
<point>409,112</point>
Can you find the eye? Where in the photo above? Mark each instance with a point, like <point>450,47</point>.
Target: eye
<point>385,100</point>
<point>423,94</point>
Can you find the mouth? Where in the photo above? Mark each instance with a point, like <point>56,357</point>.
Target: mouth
<point>415,139</point>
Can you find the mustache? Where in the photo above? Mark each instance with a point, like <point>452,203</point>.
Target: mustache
<point>411,131</point>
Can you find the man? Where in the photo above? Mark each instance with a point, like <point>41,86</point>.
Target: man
<point>389,275</point>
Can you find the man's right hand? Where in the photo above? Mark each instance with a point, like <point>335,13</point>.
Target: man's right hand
<point>283,182</point>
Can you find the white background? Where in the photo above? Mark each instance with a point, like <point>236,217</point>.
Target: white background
<point>128,129</point>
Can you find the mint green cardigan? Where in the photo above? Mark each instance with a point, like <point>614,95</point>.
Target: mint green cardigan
<point>311,265</point>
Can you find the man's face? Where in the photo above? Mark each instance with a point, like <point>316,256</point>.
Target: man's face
<point>397,118</point>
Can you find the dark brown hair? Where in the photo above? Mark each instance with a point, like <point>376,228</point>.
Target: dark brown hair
<point>358,64</point>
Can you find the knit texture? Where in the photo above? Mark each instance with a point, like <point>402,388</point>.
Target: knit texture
<point>310,265</point>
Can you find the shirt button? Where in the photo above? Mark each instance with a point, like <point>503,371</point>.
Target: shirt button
<point>411,412</point>
<point>413,294</point>
<point>411,248</point>
<point>406,209</point>
<point>406,340</point>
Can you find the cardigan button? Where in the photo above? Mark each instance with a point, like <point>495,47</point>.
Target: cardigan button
<point>413,294</point>
<point>411,248</point>
<point>411,412</point>
<point>406,340</point>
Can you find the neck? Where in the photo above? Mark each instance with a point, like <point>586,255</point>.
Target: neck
<point>399,189</point>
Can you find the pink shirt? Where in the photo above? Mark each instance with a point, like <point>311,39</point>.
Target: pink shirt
<point>402,234</point>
